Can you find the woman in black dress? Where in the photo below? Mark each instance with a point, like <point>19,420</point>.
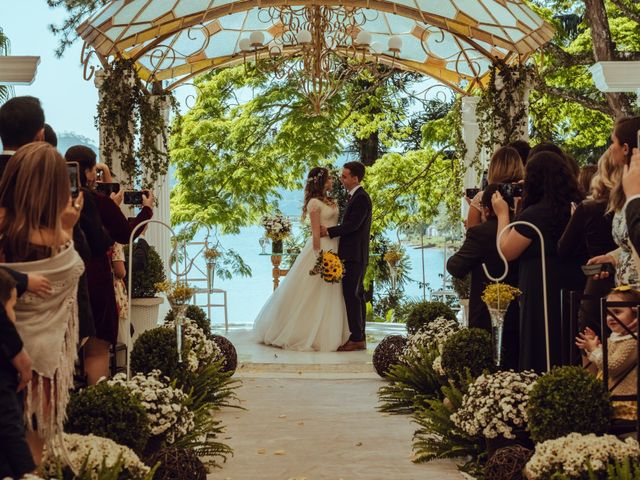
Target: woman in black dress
<point>549,189</point>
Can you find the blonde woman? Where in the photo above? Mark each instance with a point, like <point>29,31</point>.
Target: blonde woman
<point>624,259</point>
<point>505,167</point>
<point>36,222</point>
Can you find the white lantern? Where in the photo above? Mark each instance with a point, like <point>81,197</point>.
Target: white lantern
<point>256,38</point>
<point>395,44</point>
<point>244,44</point>
<point>376,48</point>
<point>363,38</point>
<point>303,37</point>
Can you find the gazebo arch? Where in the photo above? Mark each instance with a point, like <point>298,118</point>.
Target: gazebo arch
<point>453,41</point>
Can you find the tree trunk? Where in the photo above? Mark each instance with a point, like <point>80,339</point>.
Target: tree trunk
<point>369,149</point>
<point>604,50</point>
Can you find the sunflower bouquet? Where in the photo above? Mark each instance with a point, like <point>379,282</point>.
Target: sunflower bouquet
<point>329,266</point>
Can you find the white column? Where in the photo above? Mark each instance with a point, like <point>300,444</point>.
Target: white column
<point>470,134</point>
<point>157,235</point>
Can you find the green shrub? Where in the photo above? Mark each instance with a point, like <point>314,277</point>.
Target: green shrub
<point>422,313</point>
<point>565,400</point>
<point>143,281</point>
<point>109,411</point>
<point>157,349</point>
<point>196,314</point>
<point>467,349</point>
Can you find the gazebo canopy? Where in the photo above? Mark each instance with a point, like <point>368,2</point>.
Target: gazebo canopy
<point>454,41</point>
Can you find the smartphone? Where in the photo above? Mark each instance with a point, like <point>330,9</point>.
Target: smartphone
<point>74,178</point>
<point>471,192</point>
<point>597,268</point>
<point>108,188</point>
<point>133,198</point>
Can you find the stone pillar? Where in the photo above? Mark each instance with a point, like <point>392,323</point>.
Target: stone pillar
<point>157,235</point>
<point>470,134</point>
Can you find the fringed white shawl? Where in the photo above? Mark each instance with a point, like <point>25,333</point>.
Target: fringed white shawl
<point>49,330</point>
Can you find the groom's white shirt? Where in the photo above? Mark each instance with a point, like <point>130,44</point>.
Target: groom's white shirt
<point>353,190</point>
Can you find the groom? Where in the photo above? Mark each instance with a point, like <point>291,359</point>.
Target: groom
<point>354,252</point>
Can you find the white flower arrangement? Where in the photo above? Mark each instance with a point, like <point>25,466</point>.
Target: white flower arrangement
<point>432,335</point>
<point>96,450</point>
<point>166,406</point>
<point>572,454</point>
<point>496,404</point>
<point>201,350</point>
<point>277,226</point>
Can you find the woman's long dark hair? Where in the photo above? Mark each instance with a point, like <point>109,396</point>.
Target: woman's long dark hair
<point>85,157</point>
<point>548,178</point>
<point>314,188</point>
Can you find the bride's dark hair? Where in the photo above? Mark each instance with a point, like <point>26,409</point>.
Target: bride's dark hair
<point>315,186</point>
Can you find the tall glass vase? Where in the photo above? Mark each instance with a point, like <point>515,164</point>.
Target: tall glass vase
<point>211,272</point>
<point>497,327</point>
<point>179,311</point>
<point>393,274</point>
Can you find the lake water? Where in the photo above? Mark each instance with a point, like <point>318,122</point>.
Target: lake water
<point>245,296</point>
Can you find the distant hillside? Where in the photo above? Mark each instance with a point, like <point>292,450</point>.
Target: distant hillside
<point>69,139</point>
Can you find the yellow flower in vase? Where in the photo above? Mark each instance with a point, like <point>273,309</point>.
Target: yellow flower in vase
<point>498,296</point>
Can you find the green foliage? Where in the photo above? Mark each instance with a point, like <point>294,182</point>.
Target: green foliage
<point>565,400</point>
<point>196,314</point>
<point>627,469</point>
<point>109,411</point>
<point>462,286</point>
<point>143,281</point>
<point>421,313</point>
<point>132,122</point>
<point>79,11</point>
<point>157,349</point>
<point>467,352</point>
<point>411,384</point>
<point>438,436</point>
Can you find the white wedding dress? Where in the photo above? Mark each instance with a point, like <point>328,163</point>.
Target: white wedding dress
<point>306,313</point>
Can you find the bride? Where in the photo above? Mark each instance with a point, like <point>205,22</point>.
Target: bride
<point>306,313</point>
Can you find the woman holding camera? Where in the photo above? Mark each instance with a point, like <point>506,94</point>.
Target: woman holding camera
<point>37,215</point>
<point>505,167</point>
<point>110,226</point>
<point>549,189</point>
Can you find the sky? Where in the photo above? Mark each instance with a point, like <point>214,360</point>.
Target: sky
<point>68,100</point>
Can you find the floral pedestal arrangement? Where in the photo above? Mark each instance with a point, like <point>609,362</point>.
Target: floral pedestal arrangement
<point>277,246</point>
<point>277,228</point>
<point>498,296</point>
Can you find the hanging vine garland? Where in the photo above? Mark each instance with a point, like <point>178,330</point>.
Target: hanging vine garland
<point>132,121</point>
<point>502,110</point>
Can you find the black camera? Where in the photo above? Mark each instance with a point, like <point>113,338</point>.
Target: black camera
<point>510,190</point>
<point>133,198</point>
<point>108,188</point>
<point>471,192</point>
<point>74,178</point>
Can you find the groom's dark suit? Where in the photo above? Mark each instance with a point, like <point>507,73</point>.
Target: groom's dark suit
<point>353,249</point>
<point>632,214</point>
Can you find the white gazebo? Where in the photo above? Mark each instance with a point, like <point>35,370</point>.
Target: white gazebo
<point>455,42</point>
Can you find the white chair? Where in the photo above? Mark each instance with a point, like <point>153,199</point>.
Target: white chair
<point>209,303</point>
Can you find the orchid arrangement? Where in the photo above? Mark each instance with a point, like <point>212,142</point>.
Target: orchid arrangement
<point>573,455</point>
<point>496,404</point>
<point>166,406</point>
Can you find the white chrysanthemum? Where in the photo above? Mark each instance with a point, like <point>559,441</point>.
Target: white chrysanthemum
<point>495,404</point>
<point>164,404</point>
<point>201,351</point>
<point>97,450</point>
<point>433,334</point>
<point>570,455</point>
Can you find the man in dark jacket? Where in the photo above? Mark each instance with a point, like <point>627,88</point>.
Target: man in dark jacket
<point>354,232</point>
<point>21,122</point>
<point>480,248</point>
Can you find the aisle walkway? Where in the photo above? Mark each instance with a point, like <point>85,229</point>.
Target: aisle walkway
<point>316,421</point>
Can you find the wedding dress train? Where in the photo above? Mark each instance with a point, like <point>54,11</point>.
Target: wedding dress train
<point>306,313</point>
